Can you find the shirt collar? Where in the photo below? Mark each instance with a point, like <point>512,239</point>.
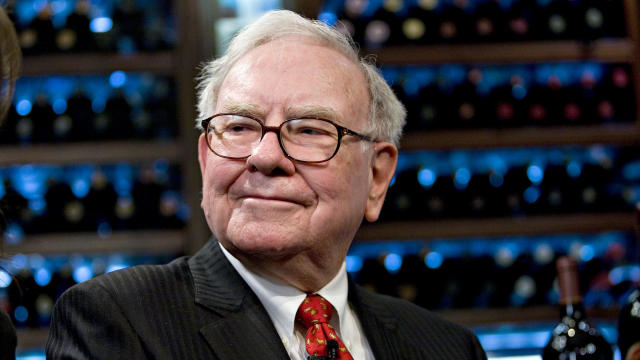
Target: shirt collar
<point>282,300</point>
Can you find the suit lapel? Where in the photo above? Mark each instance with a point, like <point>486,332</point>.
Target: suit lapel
<point>378,324</point>
<point>243,329</point>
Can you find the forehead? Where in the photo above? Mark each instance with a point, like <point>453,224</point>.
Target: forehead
<point>292,73</point>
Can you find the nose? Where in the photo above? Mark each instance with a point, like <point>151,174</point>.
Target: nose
<point>269,158</point>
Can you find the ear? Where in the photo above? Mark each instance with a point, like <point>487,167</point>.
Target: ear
<point>383,166</point>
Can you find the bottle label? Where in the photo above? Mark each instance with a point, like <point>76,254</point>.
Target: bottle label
<point>634,352</point>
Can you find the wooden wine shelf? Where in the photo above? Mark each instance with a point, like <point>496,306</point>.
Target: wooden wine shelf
<point>32,339</point>
<point>621,135</point>
<point>91,152</point>
<point>525,315</point>
<point>495,227</point>
<point>139,242</point>
<point>97,63</point>
<point>609,50</point>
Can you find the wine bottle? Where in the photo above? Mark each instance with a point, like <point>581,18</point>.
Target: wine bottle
<point>100,201</point>
<point>352,21</point>
<point>39,36</point>
<point>518,18</point>
<point>76,34</point>
<point>42,116</point>
<point>82,115</point>
<point>455,22</point>
<point>128,25</point>
<point>574,337</point>
<point>419,25</point>
<point>629,327</point>
<point>384,27</point>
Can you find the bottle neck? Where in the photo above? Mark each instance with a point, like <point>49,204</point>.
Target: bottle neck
<point>573,308</point>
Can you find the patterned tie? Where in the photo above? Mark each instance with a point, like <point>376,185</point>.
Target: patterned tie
<point>321,340</point>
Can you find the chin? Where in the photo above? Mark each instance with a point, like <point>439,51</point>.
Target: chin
<point>259,241</point>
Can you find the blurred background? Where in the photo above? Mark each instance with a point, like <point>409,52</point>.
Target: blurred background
<point>522,145</point>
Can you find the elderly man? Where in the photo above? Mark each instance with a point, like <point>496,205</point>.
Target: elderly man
<point>298,146</point>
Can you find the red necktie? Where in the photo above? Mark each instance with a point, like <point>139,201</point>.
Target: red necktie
<point>321,340</point>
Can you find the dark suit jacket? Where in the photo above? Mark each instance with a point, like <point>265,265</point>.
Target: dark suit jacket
<point>200,308</point>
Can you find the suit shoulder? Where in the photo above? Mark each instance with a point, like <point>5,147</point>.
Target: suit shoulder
<point>138,280</point>
<point>413,316</point>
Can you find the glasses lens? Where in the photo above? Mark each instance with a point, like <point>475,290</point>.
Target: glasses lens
<point>309,139</point>
<point>233,136</point>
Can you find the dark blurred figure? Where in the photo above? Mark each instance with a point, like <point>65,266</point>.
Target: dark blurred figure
<point>9,65</point>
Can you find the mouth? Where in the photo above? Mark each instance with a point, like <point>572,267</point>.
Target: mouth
<point>271,199</point>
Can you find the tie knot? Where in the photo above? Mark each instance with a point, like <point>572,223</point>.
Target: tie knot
<point>314,310</point>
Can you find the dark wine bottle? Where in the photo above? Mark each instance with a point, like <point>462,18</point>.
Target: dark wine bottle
<point>76,34</point>
<point>43,116</point>
<point>629,327</point>
<point>82,115</point>
<point>39,36</point>
<point>351,20</point>
<point>455,22</point>
<point>385,26</point>
<point>129,26</point>
<point>574,337</point>
<point>419,25</point>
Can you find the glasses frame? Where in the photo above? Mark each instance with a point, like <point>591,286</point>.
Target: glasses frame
<point>342,131</point>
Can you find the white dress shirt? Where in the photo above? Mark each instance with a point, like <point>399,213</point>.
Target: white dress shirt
<point>282,301</point>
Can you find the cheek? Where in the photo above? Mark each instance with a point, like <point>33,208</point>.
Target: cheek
<point>219,176</point>
<point>345,191</point>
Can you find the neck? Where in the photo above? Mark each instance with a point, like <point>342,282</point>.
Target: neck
<point>306,273</point>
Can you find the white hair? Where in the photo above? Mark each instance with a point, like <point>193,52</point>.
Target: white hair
<point>386,114</point>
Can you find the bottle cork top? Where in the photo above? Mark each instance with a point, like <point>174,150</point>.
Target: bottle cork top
<point>568,280</point>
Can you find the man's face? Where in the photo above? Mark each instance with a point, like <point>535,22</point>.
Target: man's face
<point>268,206</point>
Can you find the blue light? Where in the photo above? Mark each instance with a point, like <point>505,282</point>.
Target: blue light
<point>3,191</point>
<point>354,263</point>
<point>519,92</point>
<point>393,262</point>
<point>5,279</point>
<point>433,260</point>
<point>23,107</point>
<point>574,169</point>
<point>38,206</point>
<point>98,104</point>
<point>80,187</point>
<point>19,261</point>
<point>104,229</point>
<point>328,18</point>
<point>115,267</point>
<point>462,178</point>
<point>117,79</point>
<point>13,234</point>
<point>535,174</point>
<point>531,195</point>
<point>42,276</point>
<point>59,106</point>
<point>496,179</point>
<point>393,180</point>
<point>82,273</point>
<point>426,177</point>
<point>587,253</point>
<point>21,314</point>
<point>101,24</point>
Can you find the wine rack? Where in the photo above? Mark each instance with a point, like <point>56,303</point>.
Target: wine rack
<point>506,52</point>
<point>178,62</point>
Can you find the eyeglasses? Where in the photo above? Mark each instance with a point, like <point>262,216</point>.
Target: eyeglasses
<point>234,136</point>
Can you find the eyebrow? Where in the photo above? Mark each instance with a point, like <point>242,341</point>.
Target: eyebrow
<point>312,111</point>
<point>305,111</point>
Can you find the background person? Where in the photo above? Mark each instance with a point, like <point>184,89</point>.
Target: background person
<point>10,67</point>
